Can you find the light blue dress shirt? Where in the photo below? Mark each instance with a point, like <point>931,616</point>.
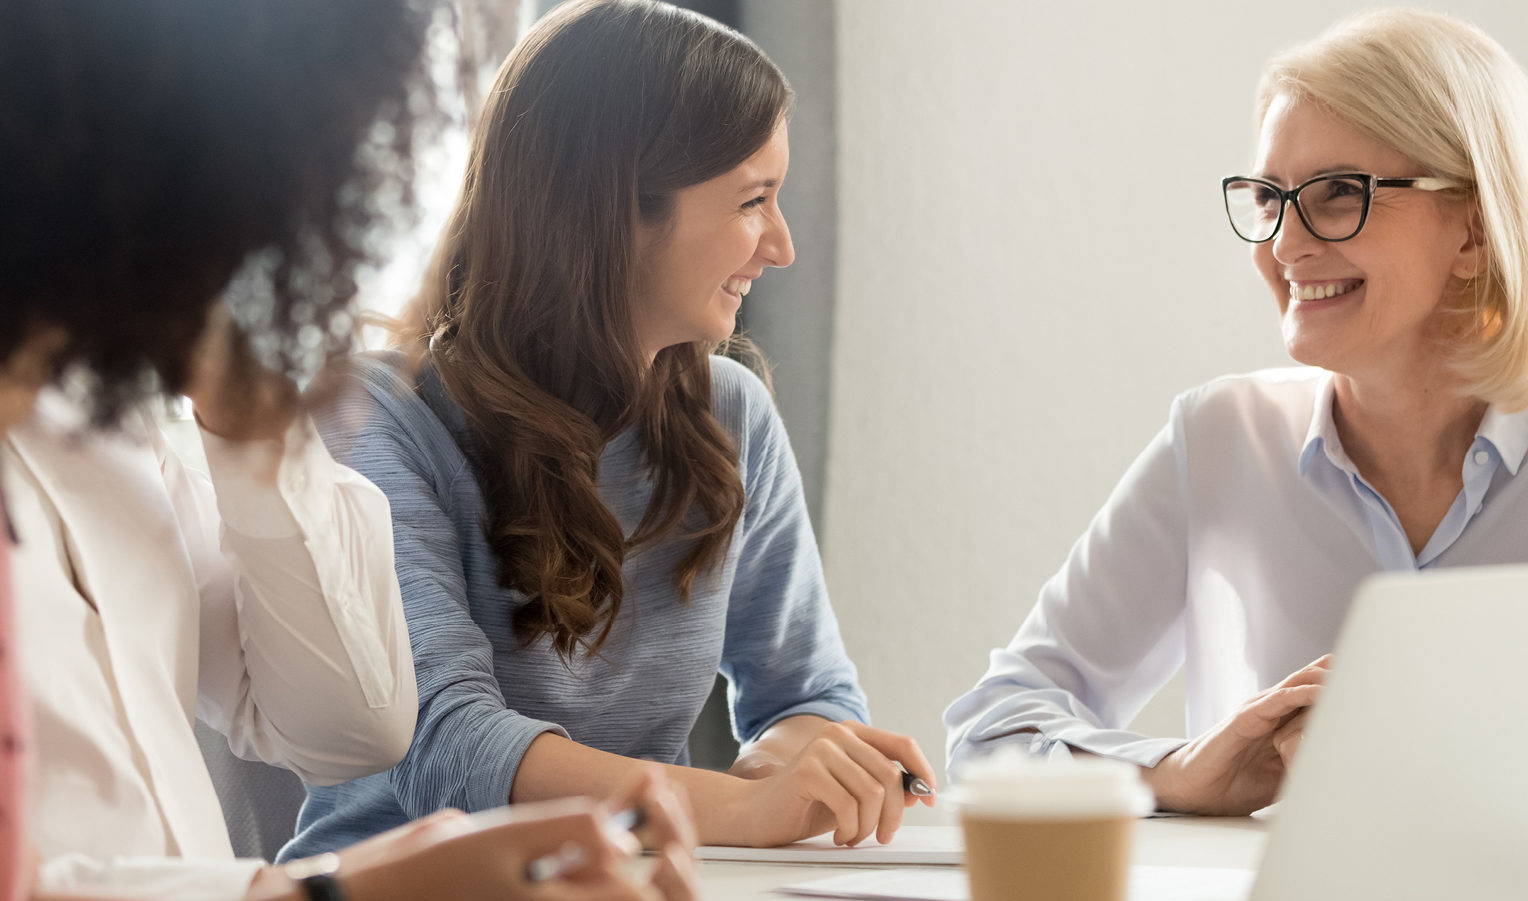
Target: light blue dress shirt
<point>1232,548</point>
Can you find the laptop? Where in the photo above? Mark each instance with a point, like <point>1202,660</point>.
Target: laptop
<point>1412,779</point>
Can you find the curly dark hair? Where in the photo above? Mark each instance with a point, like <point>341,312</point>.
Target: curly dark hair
<point>153,150</point>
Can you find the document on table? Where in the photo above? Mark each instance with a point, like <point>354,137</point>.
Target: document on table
<point>915,845</point>
<point>919,884</point>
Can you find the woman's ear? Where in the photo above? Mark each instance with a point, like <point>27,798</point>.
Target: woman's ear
<point>1472,258</point>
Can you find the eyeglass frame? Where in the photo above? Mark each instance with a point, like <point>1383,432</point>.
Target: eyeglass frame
<point>1292,197</point>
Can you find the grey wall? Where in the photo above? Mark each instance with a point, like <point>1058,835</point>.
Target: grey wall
<point>790,311</point>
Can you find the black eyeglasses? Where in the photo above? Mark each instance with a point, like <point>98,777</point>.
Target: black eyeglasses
<point>1333,207</point>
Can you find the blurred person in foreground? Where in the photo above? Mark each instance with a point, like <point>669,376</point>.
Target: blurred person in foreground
<point>156,156</point>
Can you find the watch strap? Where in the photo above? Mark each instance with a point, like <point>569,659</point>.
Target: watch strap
<point>316,876</point>
<point>321,887</point>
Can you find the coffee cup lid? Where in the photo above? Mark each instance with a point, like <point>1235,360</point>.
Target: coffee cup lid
<point>1011,783</point>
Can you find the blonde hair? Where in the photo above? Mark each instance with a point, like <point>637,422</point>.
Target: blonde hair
<point>1449,97</point>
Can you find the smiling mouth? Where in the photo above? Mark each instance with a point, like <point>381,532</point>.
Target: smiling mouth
<point>1323,290</point>
<point>738,286</point>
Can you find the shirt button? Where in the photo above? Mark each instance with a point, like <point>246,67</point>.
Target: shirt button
<point>1481,457</point>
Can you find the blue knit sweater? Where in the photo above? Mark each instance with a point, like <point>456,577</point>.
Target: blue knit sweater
<point>761,618</point>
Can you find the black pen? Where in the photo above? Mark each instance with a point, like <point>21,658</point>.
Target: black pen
<point>572,855</point>
<point>913,785</point>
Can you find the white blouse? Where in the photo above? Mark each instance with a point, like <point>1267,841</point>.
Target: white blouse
<point>267,608</point>
<point>1231,547</point>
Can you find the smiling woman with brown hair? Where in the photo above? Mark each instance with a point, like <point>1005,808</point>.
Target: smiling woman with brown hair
<point>594,512</point>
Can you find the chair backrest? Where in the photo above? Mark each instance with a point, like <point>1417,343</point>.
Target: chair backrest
<point>260,802</point>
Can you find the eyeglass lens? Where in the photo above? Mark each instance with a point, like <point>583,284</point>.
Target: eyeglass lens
<point>1332,207</point>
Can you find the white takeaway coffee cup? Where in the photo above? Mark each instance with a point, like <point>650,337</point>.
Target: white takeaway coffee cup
<point>1049,830</point>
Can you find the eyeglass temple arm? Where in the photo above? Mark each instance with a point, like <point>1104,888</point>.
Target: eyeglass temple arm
<point>1424,183</point>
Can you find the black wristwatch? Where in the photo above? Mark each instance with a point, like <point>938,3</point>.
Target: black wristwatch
<point>316,876</point>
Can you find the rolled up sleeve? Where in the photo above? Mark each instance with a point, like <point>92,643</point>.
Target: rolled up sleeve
<point>305,658</point>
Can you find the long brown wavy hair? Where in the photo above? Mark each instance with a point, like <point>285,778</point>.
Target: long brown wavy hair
<point>602,112</point>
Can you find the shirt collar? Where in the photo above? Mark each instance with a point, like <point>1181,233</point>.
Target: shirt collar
<point>1321,436</point>
<point>1506,432</point>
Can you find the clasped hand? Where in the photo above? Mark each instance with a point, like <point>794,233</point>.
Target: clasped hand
<point>1237,767</point>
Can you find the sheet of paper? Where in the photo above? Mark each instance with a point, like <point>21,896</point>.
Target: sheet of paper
<point>914,845</point>
<point>944,884</point>
<point>901,884</point>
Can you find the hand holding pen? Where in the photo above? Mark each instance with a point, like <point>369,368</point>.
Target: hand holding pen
<point>519,852</point>
<point>573,856</point>
<point>844,777</point>
<point>913,785</point>
<point>650,814</point>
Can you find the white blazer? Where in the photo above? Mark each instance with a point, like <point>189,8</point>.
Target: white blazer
<point>269,608</point>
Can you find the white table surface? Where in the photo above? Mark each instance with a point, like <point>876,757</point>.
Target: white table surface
<point>1168,841</point>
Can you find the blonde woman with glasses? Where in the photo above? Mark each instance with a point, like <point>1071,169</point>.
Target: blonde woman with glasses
<point>1384,210</point>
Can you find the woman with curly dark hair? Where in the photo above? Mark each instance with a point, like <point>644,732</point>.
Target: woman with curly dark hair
<point>594,512</point>
<point>156,156</point>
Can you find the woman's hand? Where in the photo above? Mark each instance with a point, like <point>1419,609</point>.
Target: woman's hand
<point>843,777</point>
<point>1287,739</point>
<point>487,855</point>
<point>1237,767</point>
<point>233,396</point>
<point>668,830</point>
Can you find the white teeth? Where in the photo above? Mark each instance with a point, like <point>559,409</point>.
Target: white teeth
<point>739,286</point>
<point>1298,291</point>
